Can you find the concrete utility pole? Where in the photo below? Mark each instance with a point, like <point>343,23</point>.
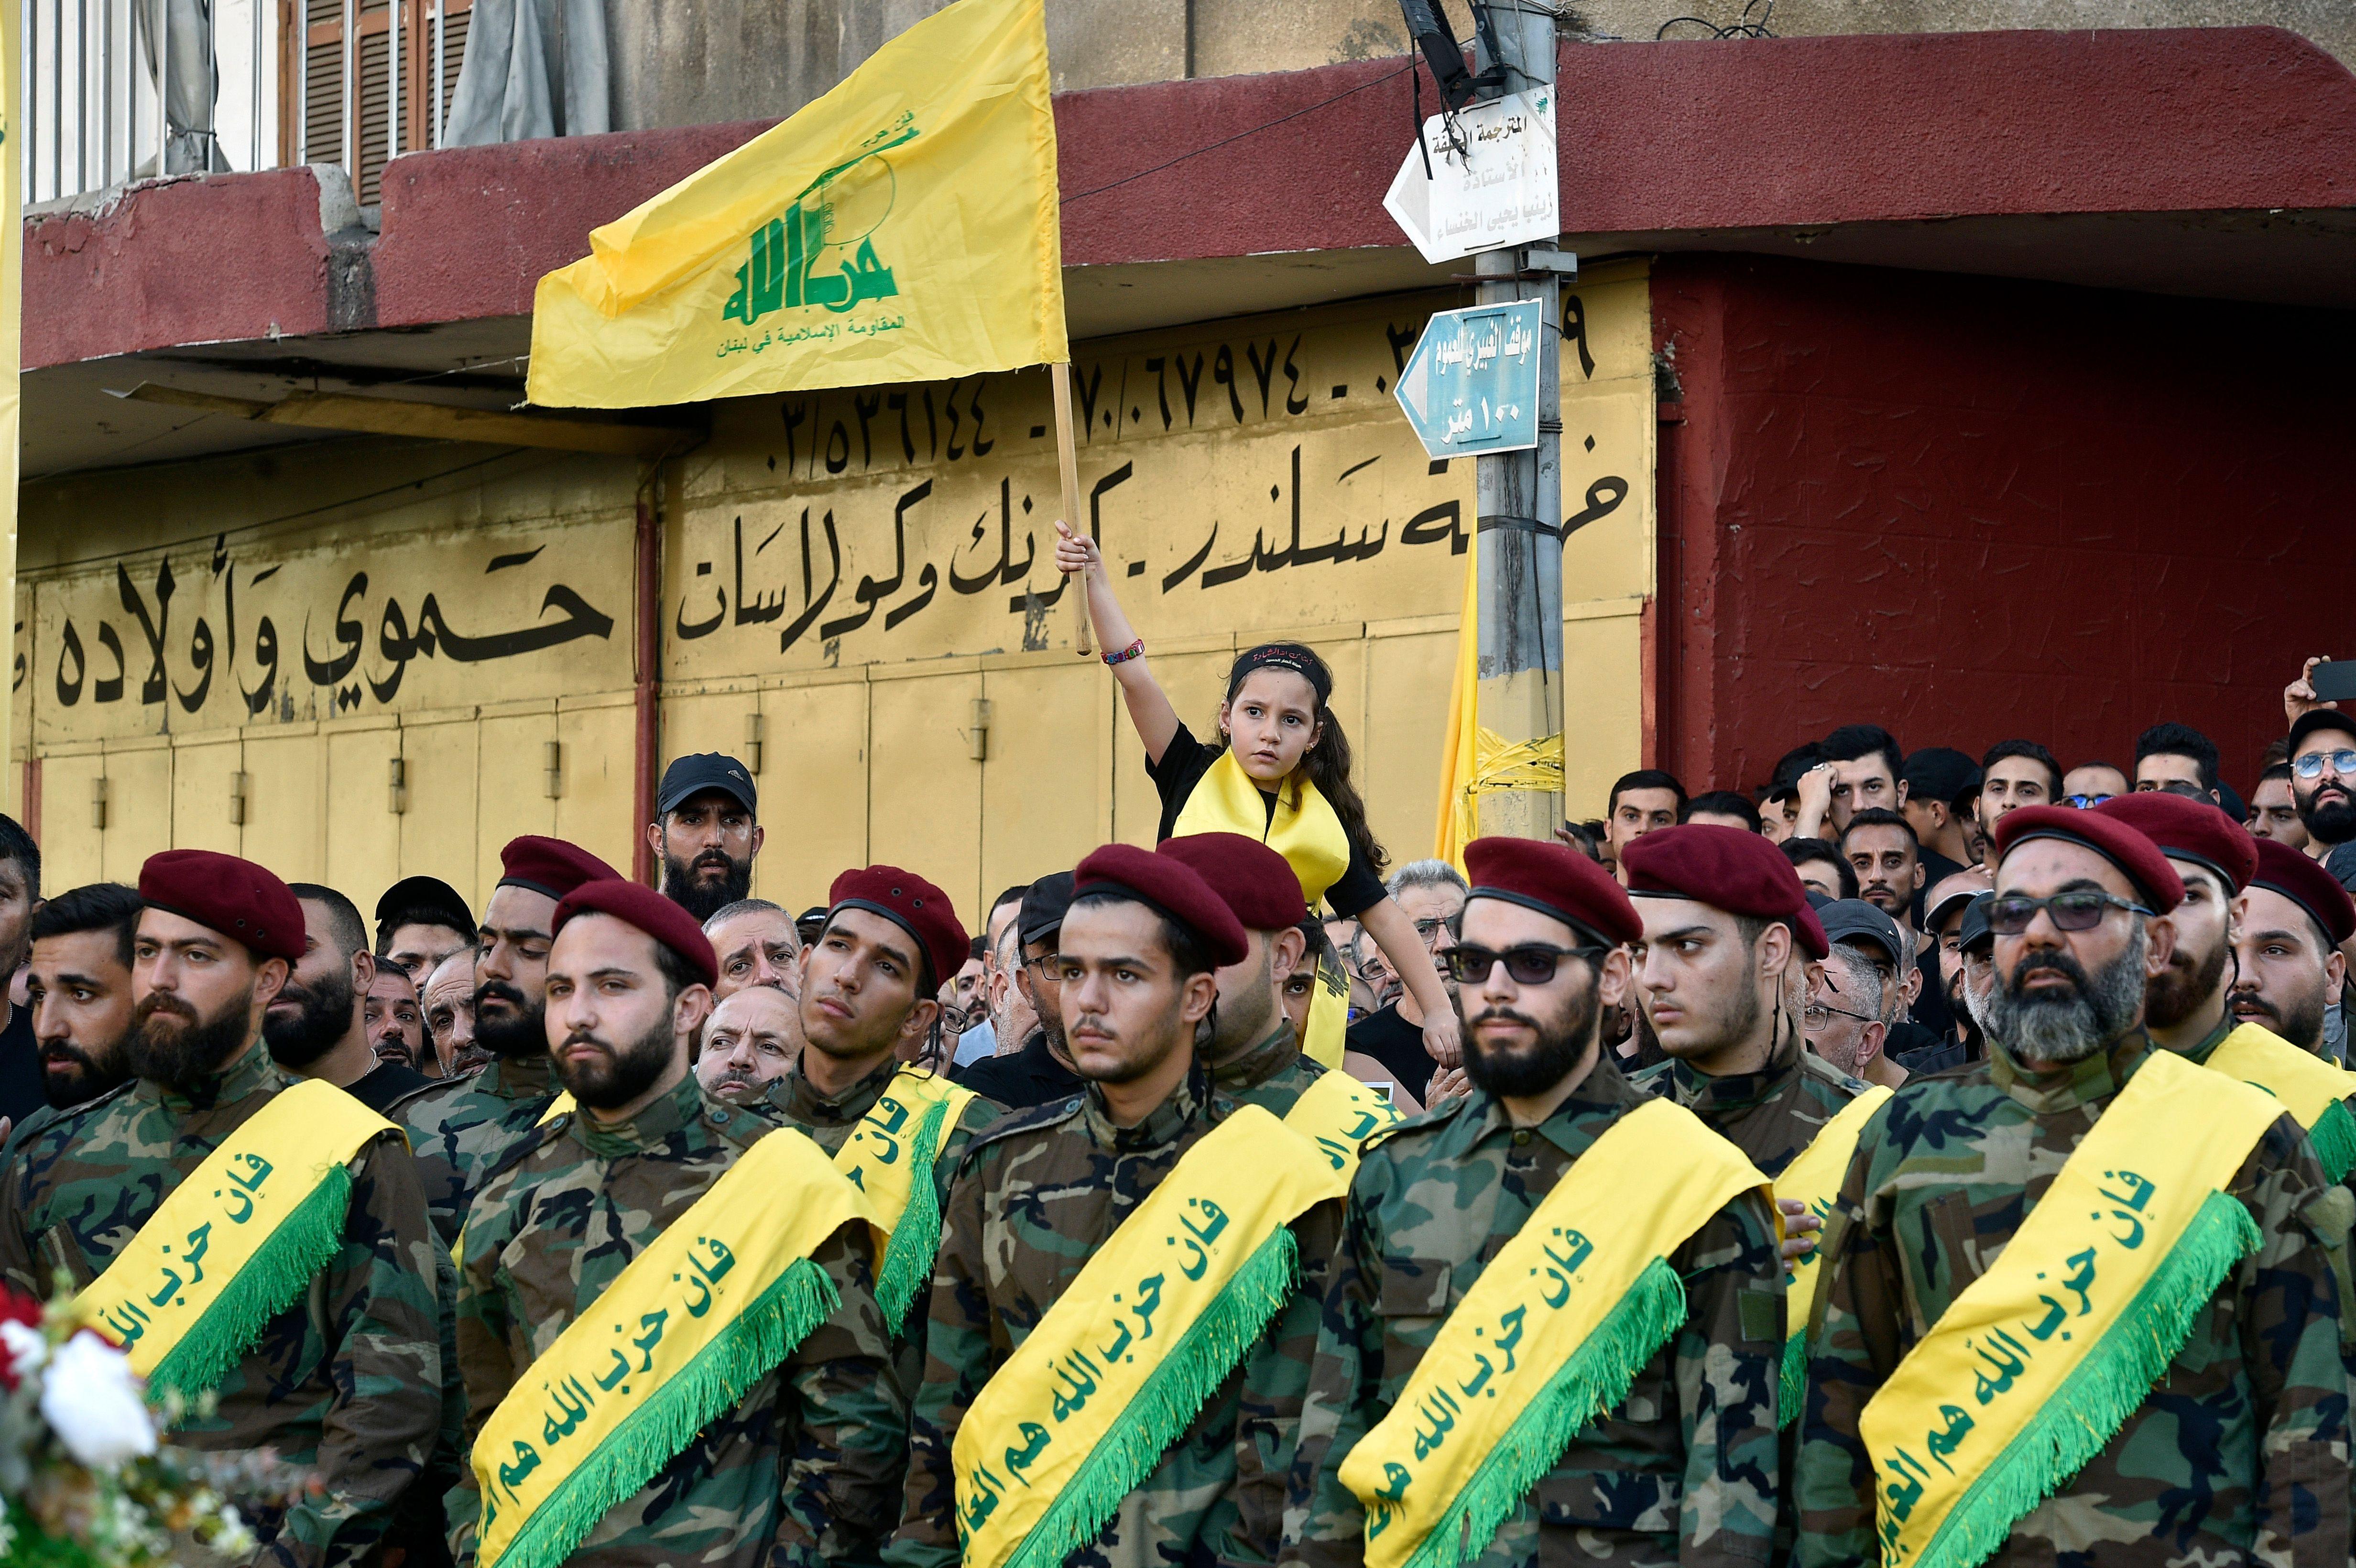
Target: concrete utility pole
<point>1519,494</point>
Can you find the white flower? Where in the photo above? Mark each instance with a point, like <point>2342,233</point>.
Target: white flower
<point>234,1539</point>
<point>92,1398</point>
<point>24,1347</point>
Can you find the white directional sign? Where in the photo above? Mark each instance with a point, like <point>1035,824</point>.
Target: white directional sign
<point>1493,180</point>
<point>1472,384</point>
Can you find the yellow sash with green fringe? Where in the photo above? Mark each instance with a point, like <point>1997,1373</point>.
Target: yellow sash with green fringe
<point>1082,1410</point>
<point>237,1242</point>
<point>2312,1090</point>
<point>1306,832</point>
<point>2041,1360</point>
<point>890,1157</point>
<point>1814,1179</point>
<point>1338,1115</point>
<point>1548,1338</point>
<point>704,1311</point>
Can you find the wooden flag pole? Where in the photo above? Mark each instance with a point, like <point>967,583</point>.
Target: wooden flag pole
<point>1069,457</point>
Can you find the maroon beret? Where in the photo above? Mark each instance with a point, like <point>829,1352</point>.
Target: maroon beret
<point>2129,849</point>
<point>550,865</point>
<point>2186,829</point>
<point>237,897</point>
<point>1726,869</point>
<point>634,904</point>
<point>2282,869</point>
<point>1554,880</point>
<point>1165,883</point>
<point>916,906</point>
<point>1256,883</point>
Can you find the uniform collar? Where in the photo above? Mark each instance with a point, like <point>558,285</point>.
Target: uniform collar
<point>518,1077</point>
<point>252,1071</point>
<point>2075,1083</point>
<point>2199,1054</point>
<point>1737,1091</point>
<point>797,1097</point>
<point>681,1108</point>
<point>1605,1090</point>
<point>1188,1102</point>
<point>1261,1062</point>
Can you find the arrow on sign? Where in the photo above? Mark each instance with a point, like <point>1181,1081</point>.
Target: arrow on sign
<point>1472,384</point>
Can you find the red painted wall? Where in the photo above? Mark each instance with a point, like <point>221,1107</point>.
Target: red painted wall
<point>1972,510</point>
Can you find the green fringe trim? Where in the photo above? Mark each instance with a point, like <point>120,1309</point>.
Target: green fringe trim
<point>2109,1383</point>
<point>1793,1391</point>
<point>667,1419</point>
<point>1594,1380</point>
<point>306,1242</point>
<point>1190,1373</point>
<point>31,1548</point>
<point>907,1266</point>
<point>2334,1137</point>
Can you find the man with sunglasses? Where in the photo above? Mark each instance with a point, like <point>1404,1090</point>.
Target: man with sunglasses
<point>1727,936</point>
<point>1988,1180</point>
<point>1682,1466</point>
<point>2323,787</point>
<point>1431,894</point>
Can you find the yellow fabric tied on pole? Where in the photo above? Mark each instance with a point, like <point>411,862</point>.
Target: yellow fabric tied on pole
<point>903,228</point>
<point>1476,760</point>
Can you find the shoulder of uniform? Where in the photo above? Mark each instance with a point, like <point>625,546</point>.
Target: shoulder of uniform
<point>425,1099</point>
<point>1021,1123</point>
<point>1815,1067</point>
<point>69,1123</point>
<point>980,1114</point>
<point>1652,1079</point>
<point>1433,1120</point>
<point>743,1125</point>
<point>526,1144</point>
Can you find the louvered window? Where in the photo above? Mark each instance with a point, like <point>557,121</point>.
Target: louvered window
<point>359,99</point>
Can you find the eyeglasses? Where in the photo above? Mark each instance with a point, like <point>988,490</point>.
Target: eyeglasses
<point>1816,1014</point>
<point>2080,908</point>
<point>2084,802</point>
<point>1424,930</point>
<point>1533,964</point>
<point>2311,765</point>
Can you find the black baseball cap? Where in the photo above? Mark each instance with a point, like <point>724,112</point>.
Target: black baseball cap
<point>422,899</point>
<point>706,770</point>
<point>1044,904</point>
<point>2316,718</point>
<point>1976,935</point>
<point>1854,920</point>
<point>1941,774</point>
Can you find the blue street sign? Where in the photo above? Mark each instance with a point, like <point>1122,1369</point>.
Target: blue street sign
<point>1472,384</point>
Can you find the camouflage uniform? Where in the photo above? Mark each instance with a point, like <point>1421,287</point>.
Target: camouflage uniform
<point>1773,1114</point>
<point>1036,1198</point>
<point>2240,1453</point>
<point>460,1129</point>
<point>346,1381</point>
<point>792,1102</point>
<point>803,1470</point>
<point>1684,1471</point>
<point>1272,1075</point>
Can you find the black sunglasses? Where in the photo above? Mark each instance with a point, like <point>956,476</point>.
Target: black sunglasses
<point>2080,908</point>
<point>1532,963</point>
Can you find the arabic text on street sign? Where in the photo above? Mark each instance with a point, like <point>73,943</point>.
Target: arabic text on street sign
<point>1499,190</point>
<point>1472,384</point>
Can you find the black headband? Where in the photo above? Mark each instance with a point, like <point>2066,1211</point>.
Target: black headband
<point>1284,655</point>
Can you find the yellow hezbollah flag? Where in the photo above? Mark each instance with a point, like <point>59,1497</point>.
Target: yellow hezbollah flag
<point>1474,760</point>
<point>903,228</point>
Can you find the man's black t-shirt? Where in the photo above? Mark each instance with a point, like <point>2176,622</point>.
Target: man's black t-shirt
<point>20,1068</point>
<point>1181,767</point>
<point>1030,1076</point>
<point>1398,1045</point>
<point>385,1082</point>
<point>1931,1009</point>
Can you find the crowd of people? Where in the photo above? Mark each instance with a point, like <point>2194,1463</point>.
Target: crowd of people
<point>1704,1186</point>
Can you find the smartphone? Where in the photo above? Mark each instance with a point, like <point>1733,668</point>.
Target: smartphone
<point>2334,682</point>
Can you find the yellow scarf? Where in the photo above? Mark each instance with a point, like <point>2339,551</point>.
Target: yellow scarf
<point>1338,1115</point>
<point>890,1157</point>
<point>2312,1090</point>
<point>705,1310</point>
<point>237,1242</point>
<point>1082,1410</point>
<point>1814,1179</point>
<point>1548,1339</point>
<point>2041,1360</point>
<point>1306,832</point>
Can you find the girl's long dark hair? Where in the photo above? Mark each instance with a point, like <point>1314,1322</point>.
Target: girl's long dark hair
<point>1327,763</point>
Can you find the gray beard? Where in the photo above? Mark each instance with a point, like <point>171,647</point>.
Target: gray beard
<point>2059,1030</point>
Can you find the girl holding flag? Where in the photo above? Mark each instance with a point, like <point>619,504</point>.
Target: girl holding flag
<point>1280,773</point>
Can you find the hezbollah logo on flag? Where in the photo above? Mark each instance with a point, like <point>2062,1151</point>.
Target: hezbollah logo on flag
<point>903,228</point>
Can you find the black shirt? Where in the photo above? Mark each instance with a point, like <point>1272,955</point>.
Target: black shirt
<point>1030,1076</point>
<point>1398,1045</point>
<point>1931,1009</point>
<point>21,1093</point>
<point>381,1085</point>
<point>1181,767</point>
